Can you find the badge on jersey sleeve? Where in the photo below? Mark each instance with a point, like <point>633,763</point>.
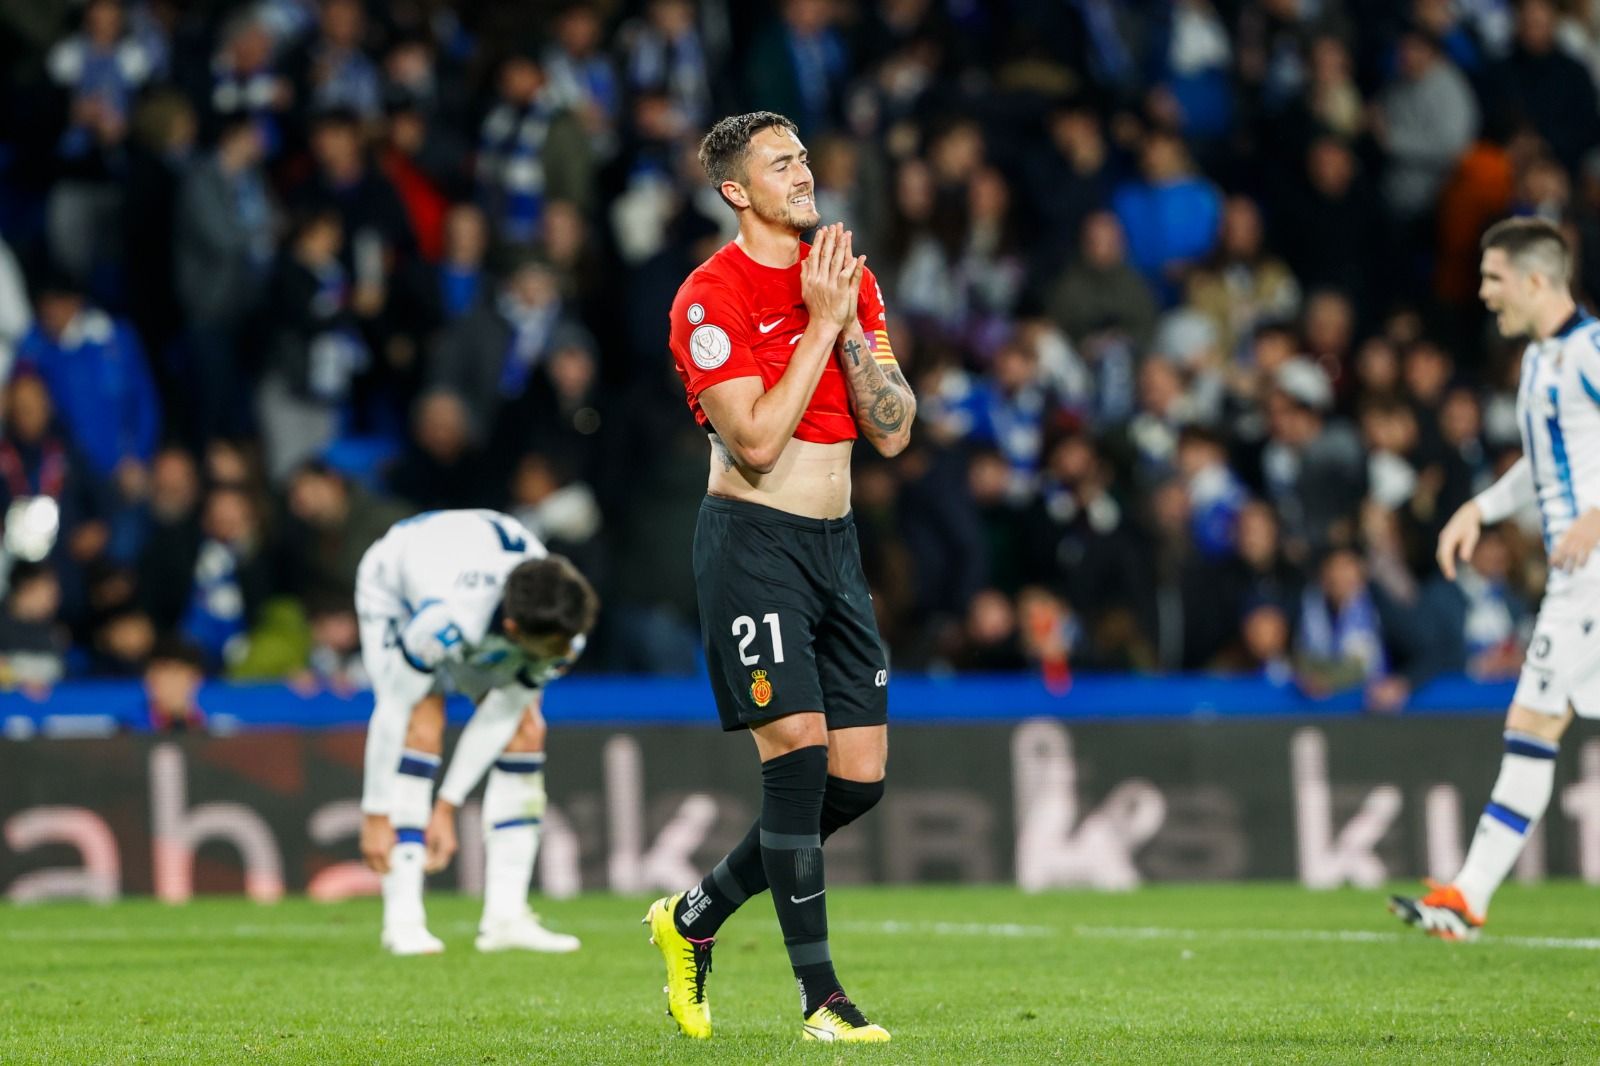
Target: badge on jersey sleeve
<point>709,347</point>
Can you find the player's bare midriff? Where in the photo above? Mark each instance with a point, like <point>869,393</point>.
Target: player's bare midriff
<point>809,479</point>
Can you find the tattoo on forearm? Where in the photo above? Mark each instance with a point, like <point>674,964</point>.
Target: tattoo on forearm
<point>888,410</point>
<point>883,399</point>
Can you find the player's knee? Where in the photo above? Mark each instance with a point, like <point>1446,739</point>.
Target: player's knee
<point>792,788</point>
<point>843,801</point>
<point>425,730</point>
<point>530,733</point>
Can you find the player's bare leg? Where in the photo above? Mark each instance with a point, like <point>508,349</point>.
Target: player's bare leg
<point>1456,911</point>
<point>405,926</point>
<point>513,811</point>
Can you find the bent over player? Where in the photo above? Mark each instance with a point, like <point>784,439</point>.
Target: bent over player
<point>467,601</point>
<point>1527,268</point>
<point>785,357</point>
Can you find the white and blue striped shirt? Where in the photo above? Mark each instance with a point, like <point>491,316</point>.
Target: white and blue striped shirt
<point>1558,412</point>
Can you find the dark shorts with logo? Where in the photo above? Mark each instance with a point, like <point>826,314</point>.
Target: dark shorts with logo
<point>786,617</point>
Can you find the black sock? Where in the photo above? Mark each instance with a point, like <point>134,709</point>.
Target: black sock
<point>740,875</point>
<point>791,853</point>
<point>735,879</point>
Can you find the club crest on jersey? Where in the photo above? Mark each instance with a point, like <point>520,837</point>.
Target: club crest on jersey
<point>709,347</point>
<point>760,688</point>
<point>697,314</point>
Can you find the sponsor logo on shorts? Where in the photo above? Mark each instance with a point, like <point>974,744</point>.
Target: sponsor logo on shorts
<point>881,679</point>
<point>760,688</point>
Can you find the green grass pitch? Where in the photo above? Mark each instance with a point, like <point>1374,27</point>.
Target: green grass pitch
<point>1180,974</point>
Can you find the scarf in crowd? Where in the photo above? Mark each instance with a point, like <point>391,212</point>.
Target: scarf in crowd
<point>1352,633</point>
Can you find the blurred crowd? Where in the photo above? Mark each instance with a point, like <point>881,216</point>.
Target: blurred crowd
<point>1187,290</point>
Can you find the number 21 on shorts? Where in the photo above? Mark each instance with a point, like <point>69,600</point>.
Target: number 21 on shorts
<point>744,627</point>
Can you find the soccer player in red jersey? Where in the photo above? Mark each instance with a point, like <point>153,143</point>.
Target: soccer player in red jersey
<point>785,359</point>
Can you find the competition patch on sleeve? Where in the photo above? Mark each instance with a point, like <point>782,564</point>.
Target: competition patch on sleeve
<point>709,347</point>
<point>697,314</point>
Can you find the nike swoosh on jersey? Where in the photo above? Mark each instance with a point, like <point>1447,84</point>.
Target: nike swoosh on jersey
<point>768,327</point>
<point>802,899</point>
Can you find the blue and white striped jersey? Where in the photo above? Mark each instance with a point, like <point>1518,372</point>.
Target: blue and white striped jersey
<point>439,578</point>
<point>1558,410</point>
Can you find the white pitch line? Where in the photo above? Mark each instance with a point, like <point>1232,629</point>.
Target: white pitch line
<point>1336,936</point>
<point>1010,929</point>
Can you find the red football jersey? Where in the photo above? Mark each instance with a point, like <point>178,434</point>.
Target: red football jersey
<point>735,318</point>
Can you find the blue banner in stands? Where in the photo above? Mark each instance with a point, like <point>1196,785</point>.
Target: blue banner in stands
<point>96,708</point>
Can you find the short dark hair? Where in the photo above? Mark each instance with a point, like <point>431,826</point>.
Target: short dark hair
<point>1534,245</point>
<point>723,149</point>
<point>550,596</point>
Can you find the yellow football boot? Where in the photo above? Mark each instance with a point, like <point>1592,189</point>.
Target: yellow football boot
<point>688,964</point>
<point>841,1021</point>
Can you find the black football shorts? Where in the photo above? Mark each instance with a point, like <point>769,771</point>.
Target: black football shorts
<point>786,617</point>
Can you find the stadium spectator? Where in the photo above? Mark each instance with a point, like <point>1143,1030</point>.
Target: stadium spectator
<point>99,382</point>
<point>461,278</point>
<point>172,690</point>
<point>312,349</point>
<point>529,151</point>
<point>378,235</point>
<point>1330,226</point>
<point>797,64</point>
<point>33,641</point>
<point>1170,213</point>
<point>121,643</point>
<point>1541,85</point>
<point>172,537</point>
<point>332,522</point>
<point>1264,647</point>
<point>222,252</point>
<point>1481,619</point>
<point>1312,467</point>
<point>245,82</point>
<point>1066,179</point>
<point>582,78</point>
<point>37,460</point>
<point>98,70</point>
<point>440,469</point>
<point>334,662</point>
<point>562,512</point>
<point>1242,285</point>
<point>231,577</point>
<point>492,355</point>
<point>665,53</point>
<point>1340,641</point>
<point>1216,495</point>
<point>333,69</point>
<point>989,640</point>
<point>417,180</point>
<point>1193,89</point>
<point>1101,293</point>
<point>1425,120</point>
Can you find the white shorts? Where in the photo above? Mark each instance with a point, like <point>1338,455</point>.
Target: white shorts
<point>1563,661</point>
